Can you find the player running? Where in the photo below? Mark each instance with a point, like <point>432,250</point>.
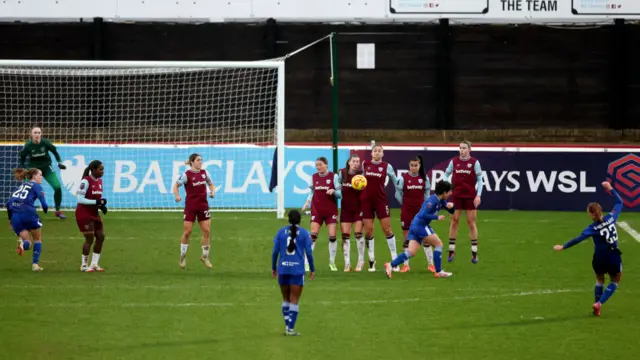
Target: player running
<point>351,213</point>
<point>37,149</point>
<point>290,245</point>
<point>195,181</point>
<point>467,189</point>
<point>413,188</point>
<point>90,200</point>
<point>420,231</point>
<point>22,212</point>
<point>326,189</point>
<point>607,258</point>
<point>374,202</point>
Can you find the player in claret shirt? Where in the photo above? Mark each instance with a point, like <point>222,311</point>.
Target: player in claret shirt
<point>89,222</point>
<point>375,204</point>
<point>351,213</point>
<point>196,180</point>
<point>326,189</point>
<point>607,258</point>
<point>413,188</point>
<point>467,187</point>
<point>37,149</point>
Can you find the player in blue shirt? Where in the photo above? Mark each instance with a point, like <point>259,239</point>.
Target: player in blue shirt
<point>290,244</point>
<point>420,230</point>
<point>607,257</point>
<point>22,212</point>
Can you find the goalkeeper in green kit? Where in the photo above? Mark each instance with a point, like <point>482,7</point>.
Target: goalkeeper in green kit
<point>37,150</point>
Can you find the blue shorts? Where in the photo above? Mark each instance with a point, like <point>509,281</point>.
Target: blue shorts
<point>610,264</point>
<point>25,221</point>
<point>418,233</point>
<point>285,279</point>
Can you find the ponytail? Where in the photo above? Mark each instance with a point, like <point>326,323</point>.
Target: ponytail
<point>294,220</point>
<point>93,165</point>
<point>421,171</point>
<point>20,174</point>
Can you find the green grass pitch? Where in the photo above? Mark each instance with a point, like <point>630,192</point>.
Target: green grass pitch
<point>522,301</point>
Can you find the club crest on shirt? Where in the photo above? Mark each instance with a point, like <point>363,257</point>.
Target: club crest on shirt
<point>469,165</point>
<point>457,165</point>
<point>420,181</point>
<point>328,181</point>
<point>42,148</point>
<point>380,168</point>
<point>429,205</point>
<point>203,176</point>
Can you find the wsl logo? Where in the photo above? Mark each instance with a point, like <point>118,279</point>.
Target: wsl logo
<point>624,175</point>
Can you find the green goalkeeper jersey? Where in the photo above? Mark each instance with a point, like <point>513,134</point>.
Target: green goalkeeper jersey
<point>38,154</point>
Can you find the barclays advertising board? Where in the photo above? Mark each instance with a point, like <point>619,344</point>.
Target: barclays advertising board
<point>142,177</point>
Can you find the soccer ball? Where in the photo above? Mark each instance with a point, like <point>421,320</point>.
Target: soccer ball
<point>359,182</point>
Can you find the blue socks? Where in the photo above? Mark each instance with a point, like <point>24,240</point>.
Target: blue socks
<point>400,259</point>
<point>598,291</point>
<point>437,258</point>
<point>26,244</point>
<point>293,316</point>
<point>37,248</point>
<point>608,292</point>
<point>285,313</point>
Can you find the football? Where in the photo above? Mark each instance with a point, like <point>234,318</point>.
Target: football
<point>359,182</point>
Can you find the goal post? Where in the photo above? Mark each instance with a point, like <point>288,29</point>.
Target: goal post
<point>143,119</point>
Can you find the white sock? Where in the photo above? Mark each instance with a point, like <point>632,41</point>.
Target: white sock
<point>85,260</point>
<point>333,250</point>
<point>183,249</point>
<point>428,251</point>
<point>95,259</point>
<point>205,251</point>
<point>346,248</point>
<point>361,246</point>
<point>406,262</point>
<point>392,246</point>
<point>474,248</point>
<point>372,246</point>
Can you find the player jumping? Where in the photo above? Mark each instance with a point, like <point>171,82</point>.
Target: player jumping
<point>413,188</point>
<point>467,188</point>
<point>607,258</point>
<point>37,149</point>
<point>374,202</point>
<point>420,231</point>
<point>87,217</point>
<point>290,245</point>
<point>351,213</point>
<point>22,212</point>
<point>326,189</point>
<point>195,181</point>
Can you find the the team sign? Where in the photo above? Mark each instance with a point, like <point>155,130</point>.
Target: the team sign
<point>624,174</point>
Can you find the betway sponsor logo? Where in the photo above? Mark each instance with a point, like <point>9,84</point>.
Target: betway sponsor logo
<point>415,187</point>
<point>468,172</point>
<point>97,192</point>
<point>198,183</point>
<point>322,188</point>
<point>373,174</point>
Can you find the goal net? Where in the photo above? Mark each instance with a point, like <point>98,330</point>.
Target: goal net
<point>143,120</point>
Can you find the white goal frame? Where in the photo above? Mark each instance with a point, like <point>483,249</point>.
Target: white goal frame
<point>279,64</point>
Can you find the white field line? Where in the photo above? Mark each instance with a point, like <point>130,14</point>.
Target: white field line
<point>631,231</point>
<point>262,303</point>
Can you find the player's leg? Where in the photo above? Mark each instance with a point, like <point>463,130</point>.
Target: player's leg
<point>98,231</point>
<point>360,242</point>
<point>473,232</point>
<point>16,223</point>
<point>410,251</point>
<point>405,246</point>
<point>333,241</point>
<point>433,240</point>
<point>37,249</point>
<point>205,228</point>
<point>285,290</point>
<point>51,178</point>
<point>187,228</point>
<point>384,216</point>
<point>314,228</point>
<point>294,300</point>
<point>614,269</point>
<point>453,229</point>
<point>345,227</point>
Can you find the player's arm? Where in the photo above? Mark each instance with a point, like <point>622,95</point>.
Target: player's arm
<point>82,192</point>
<point>399,192</point>
<point>427,187</point>
<point>211,185</point>
<point>392,175</point>
<point>55,153</point>
<point>617,207</point>
<point>337,184</point>
<point>424,212</point>
<point>275,252</point>
<point>181,181</point>
<point>451,209</point>
<point>308,201</point>
<point>309,252</point>
<point>448,171</point>
<point>40,195</point>
<point>587,233</point>
<point>479,181</point>
<point>9,209</point>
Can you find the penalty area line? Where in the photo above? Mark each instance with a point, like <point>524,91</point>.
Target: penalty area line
<point>631,231</point>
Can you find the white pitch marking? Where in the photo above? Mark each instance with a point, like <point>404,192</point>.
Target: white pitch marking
<point>631,231</point>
